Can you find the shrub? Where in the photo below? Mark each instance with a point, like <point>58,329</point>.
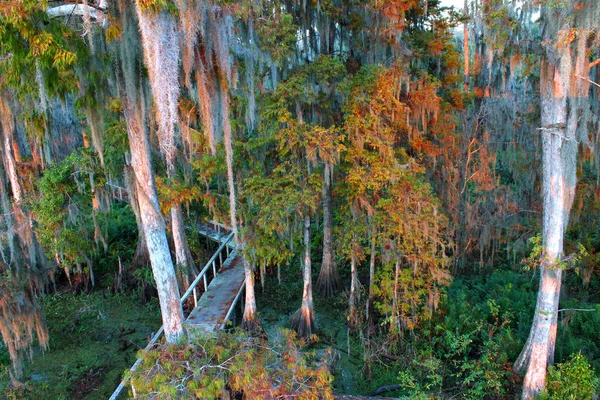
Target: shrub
<point>572,380</point>
<point>209,366</point>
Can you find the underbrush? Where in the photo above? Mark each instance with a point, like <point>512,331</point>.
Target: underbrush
<point>466,351</point>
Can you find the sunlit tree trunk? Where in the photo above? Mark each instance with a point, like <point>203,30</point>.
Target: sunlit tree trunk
<point>141,256</point>
<point>329,279</point>
<point>250,320</point>
<point>154,226</point>
<point>161,55</point>
<point>559,149</point>
<point>303,321</point>
<point>369,307</point>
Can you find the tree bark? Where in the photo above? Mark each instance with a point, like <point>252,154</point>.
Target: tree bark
<point>303,321</point>
<point>369,309</point>
<point>329,279</point>
<point>154,226</point>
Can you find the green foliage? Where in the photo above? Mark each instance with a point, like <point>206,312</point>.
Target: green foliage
<point>277,34</point>
<point>156,6</point>
<point>93,338</point>
<point>120,229</point>
<point>30,37</point>
<point>64,207</point>
<point>572,380</point>
<point>536,255</point>
<point>468,348</point>
<point>210,366</point>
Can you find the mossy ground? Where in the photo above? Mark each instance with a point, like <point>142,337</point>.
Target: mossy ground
<point>94,337</point>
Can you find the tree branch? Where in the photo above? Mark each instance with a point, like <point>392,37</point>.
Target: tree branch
<point>588,79</point>
<point>77,9</point>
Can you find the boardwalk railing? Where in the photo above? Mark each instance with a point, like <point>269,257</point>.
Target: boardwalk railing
<point>211,265</point>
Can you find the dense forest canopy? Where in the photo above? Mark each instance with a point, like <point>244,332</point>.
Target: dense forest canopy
<point>401,154</point>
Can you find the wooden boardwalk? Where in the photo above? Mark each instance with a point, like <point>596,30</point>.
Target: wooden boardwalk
<point>216,304</point>
<point>220,295</point>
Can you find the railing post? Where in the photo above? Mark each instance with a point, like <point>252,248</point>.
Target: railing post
<point>195,298</point>
<point>205,285</point>
<point>220,259</point>
<point>214,268</point>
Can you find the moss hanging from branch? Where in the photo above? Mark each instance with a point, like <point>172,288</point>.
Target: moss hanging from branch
<point>160,42</point>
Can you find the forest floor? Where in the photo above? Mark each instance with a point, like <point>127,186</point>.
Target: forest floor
<point>94,337</point>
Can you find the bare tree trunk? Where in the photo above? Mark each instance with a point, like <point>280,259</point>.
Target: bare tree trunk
<point>161,54</point>
<point>329,280</point>
<point>466,51</point>
<point>354,287</point>
<point>183,257</point>
<point>250,320</point>
<point>154,226</point>
<point>303,321</point>
<point>559,147</point>
<point>141,258</point>
<point>369,308</point>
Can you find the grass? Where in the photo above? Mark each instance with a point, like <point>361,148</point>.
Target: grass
<point>94,337</point>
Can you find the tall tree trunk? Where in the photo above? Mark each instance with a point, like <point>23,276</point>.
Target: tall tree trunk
<point>303,321</point>
<point>354,288</point>
<point>329,280</point>
<point>250,320</point>
<point>466,51</point>
<point>161,54</point>
<point>183,256</point>
<point>369,307</point>
<point>141,258</point>
<point>559,147</point>
<point>154,225</point>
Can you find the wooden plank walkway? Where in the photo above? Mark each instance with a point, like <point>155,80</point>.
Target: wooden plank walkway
<point>215,305</point>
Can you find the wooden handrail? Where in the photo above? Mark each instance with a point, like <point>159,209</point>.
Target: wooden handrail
<point>206,267</point>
